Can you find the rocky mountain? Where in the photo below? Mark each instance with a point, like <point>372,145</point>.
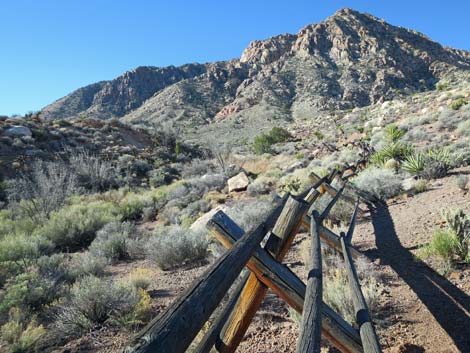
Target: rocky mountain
<point>349,60</point>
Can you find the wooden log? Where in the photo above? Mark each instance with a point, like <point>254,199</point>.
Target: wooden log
<point>254,291</point>
<point>363,319</point>
<point>330,238</point>
<point>310,334</point>
<point>174,330</point>
<point>352,224</point>
<point>330,205</point>
<point>282,281</point>
<point>331,189</point>
<point>210,337</point>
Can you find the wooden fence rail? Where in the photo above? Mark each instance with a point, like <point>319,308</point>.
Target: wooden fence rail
<point>175,329</point>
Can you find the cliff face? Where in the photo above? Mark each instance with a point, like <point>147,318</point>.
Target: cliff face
<point>350,59</point>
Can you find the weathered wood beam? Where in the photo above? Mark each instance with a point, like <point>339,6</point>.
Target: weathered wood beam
<point>254,291</point>
<point>352,224</point>
<point>282,281</point>
<point>330,238</point>
<point>174,330</point>
<point>330,205</point>
<point>210,337</point>
<point>363,319</point>
<point>331,189</point>
<point>310,334</point>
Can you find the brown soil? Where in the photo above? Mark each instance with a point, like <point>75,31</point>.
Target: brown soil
<point>419,310</point>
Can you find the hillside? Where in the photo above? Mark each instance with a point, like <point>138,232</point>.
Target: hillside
<point>349,60</point>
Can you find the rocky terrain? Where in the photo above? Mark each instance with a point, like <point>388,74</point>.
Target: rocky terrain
<point>104,194</point>
<point>349,60</point>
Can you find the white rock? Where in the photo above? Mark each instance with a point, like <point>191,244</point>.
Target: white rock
<point>18,131</point>
<point>238,183</point>
<point>408,184</point>
<point>200,223</point>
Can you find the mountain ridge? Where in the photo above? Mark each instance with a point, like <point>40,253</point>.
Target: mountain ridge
<point>349,60</point>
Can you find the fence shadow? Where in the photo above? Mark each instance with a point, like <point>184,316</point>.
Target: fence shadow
<point>448,304</point>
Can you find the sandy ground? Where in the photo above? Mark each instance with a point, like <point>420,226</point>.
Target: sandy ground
<point>419,310</point>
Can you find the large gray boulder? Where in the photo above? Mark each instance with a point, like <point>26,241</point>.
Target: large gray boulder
<point>18,131</point>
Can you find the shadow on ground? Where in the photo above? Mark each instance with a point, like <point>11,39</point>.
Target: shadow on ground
<point>447,303</point>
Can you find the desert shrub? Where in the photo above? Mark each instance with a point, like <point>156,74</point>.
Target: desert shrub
<point>93,172</point>
<point>421,186</point>
<point>432,164</point>
<point>458,103</point>
<point>30,291</point>
<point>140,278</point>
<point>249,214</point>
<point>18,336</point>
<point>442,86</point>
<point>111,241</point>
<point>74,226</point>
<point>139,315</point>
<point>462,181</point>
<point>94,301</point>
<point>20,248</point>
<point>448,119</point>
<point>260,186</point>
<point>463,128</point>
<point>263,142</point>
<point>197,167</point>
<point>131,207</point>
<point>86,263</point>
<point>10,225</point>
<point>173,246</point>
<point>44,190</point>
<point>379,183</point>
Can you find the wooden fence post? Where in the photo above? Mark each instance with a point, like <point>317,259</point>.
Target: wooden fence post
<point>174,330</point>
<point>310,335</point>
<point>254,291</point>
<point>363,319</point>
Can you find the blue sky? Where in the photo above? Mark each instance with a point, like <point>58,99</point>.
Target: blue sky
<point>52,47</point>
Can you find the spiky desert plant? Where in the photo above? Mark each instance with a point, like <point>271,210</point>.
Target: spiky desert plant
<point>396,150</point>
<point>462,181</point>
<point>459,223</point>
<point>414,164</point>
<point>394,133</point>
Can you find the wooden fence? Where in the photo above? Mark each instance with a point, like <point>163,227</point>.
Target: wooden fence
<point>175,329</point>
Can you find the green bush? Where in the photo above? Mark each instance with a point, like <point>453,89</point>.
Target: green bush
<point>171,247</point>
<point>73,227</point>
<point>18,336</point>
<point>111,241</point>
<point>463,128</point>
<point>94,301</point>
<point>86,263</point>
<point>30,291</point>
<point>458,103</point>
<point>262,143</point>
<point>381,184</point>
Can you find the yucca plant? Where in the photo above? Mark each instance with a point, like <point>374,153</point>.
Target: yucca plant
<point>414,164</point>
<point>396,150</point>
<point>442,155</point>
<point>394,133</point>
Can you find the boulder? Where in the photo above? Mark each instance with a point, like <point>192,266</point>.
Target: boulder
<point>18,131</point>
<point>238,183</point>
<point>200,223</point>
<point>409,184</point>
